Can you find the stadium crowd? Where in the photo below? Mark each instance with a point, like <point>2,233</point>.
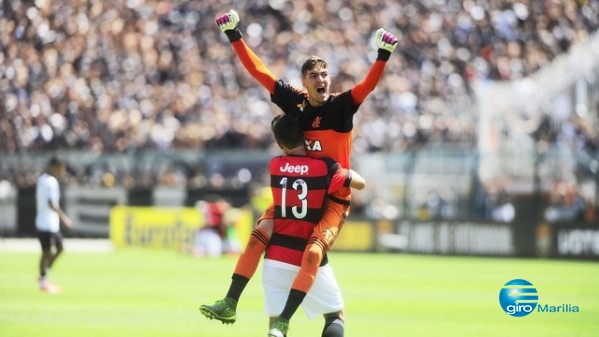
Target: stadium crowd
<point>147,74</point>
<point>107,76</point>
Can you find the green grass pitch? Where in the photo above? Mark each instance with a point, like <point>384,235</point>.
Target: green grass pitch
<point>147,292</point>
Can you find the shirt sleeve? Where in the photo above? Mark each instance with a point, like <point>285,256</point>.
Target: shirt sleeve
<point>361,90</point>
<point>254,65</point>
<point>339,176</point>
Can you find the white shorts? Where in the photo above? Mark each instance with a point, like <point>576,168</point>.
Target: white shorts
<point>323,298</point>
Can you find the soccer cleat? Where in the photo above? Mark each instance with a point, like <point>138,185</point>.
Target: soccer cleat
<point>222,310</point>
<point>279,329</point>
<point>50,288</point>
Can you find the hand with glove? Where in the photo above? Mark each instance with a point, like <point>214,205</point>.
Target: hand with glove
<point>386,42</point>
<point>229,23</point>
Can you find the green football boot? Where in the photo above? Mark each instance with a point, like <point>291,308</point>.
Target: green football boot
<point>279,328</point>
<point>222,310</point>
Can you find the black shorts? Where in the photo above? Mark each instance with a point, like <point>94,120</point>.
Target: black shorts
<point>47,239</point>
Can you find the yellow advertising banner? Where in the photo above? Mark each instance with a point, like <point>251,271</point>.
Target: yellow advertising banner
<point>175,227</point>
<point>168,226</point>
<point>355,236</point>
<point>154,226</point>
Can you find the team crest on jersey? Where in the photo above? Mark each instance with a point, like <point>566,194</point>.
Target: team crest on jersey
<point>316,122</point>
<point>313,145</point>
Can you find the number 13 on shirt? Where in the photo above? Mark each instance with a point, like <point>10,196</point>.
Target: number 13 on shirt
<point>301,187</point>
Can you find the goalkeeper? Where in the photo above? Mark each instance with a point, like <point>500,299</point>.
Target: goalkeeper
<point>327,122</point>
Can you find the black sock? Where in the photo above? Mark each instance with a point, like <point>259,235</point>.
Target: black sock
<point>333,327</point>
<point>238,283</point>
<point>293,302</point>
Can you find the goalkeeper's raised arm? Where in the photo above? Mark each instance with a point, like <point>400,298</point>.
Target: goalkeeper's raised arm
<point>386,43</point>
<point>229,24</point>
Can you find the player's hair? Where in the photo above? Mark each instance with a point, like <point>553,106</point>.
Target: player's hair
<point>287,131</point>
<point>55,162</point>
<point>312,62</point>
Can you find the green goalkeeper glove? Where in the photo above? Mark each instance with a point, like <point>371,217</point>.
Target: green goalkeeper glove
<point>386,42</point>
<point>229,23</point>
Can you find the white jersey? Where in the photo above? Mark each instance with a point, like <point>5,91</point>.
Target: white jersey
<point>47,189</point>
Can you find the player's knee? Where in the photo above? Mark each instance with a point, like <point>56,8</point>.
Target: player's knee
<point>266,226</point>
<point>313,255</point>
<point>261,234</point>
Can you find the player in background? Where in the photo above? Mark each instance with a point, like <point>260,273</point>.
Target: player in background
<point>47,221</point>
<point>209,239</point>
<point>327,122</point>
<point>300,186</point>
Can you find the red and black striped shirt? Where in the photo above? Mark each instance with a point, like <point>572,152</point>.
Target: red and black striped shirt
<point>300,187</point>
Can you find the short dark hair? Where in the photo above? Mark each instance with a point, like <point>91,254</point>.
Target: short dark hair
<point>287,131</point>
<point>56,162</point>
<point>312,62</point>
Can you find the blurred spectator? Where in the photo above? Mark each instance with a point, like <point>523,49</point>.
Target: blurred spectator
<point>504,210</point>
<point>150,74</point>
<point>494,202</point>
<point>566,204</point>
<point>129,76</point>
<point>381,209</point>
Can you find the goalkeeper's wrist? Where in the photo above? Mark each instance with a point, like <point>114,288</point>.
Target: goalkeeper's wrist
<point>383,55</point>
<point>233,34</point>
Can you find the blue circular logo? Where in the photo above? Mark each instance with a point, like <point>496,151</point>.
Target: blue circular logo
<point>518,298</point>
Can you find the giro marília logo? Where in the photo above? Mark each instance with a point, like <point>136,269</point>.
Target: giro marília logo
<point>518,298</point>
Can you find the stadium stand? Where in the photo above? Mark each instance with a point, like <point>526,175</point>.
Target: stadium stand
<point>135,75</point>
<point>113,79</point>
